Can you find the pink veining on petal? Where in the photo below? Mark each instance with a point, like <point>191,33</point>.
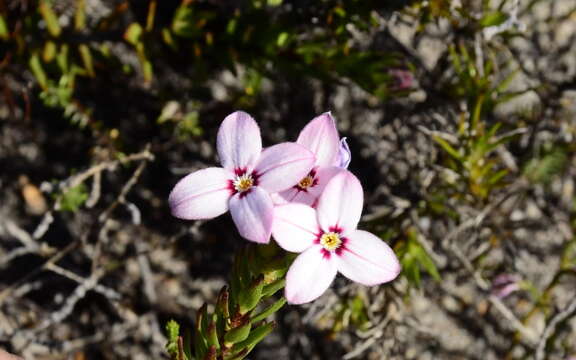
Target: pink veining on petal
<point>253,214</point>
<point>203,194</point>
<point>340,205</point>
<point>367,259</point>
<point>283,166</point>
<point>321,137</point>
<point>309,276</point>
<point>238,141</point>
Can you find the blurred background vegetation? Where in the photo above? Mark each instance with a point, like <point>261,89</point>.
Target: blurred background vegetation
<point>460,116</point>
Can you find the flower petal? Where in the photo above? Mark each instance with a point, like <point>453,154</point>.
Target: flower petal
<point>282,166</point>
<point>303,197</point>
<point>367,259</point>
<point>287,195</point>
<point>340,205</point>
<point>204,194</point>
<point>239,142</point>
<point>253,214</point>
<point>344,154</point>
<point>309,275</point>
<point>295,227</point>
<point>321,137</point>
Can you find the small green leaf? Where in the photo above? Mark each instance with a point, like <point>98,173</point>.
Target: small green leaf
<point>80,15</point>
<point>50,17</point>
<point>72,199</point>
<point>62,58</point>
<point>249,298</point>
<point>38,71</point>
<point>273,287</point>
<point>414,258</point>
<point>4,32</point>
<point>493,18</point>
<point>133,33</point>
<point>86,56</point>
<point>173,331</point>
<point>255,337</point>
<point>542,169</point>
<point>49,51</point>
<point>269,310</point>
<point>169,39</point>
<point>183,22</point>
<point>448,148</point>
<point>569,256</point>
<point>237,334</point>
<point>282,39</point>
<point>200,343</point>
<point>212,334</point>
<point>222,304</point>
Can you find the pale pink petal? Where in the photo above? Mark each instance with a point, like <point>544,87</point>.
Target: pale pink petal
<point>253,214</point>
<point>321,137</point>
<point>309,275</point>
<point>344,154</point>
<point>295,227</point>
<point>288,195</point>
<point>204,194</point>
<point>278,199</point>
<point>304,197</point>
<point>239,143</point>
<point>340,205</point>
<point>283,166</point>
<point>367,259</point>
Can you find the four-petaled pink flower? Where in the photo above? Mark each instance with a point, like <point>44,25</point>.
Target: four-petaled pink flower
<point>332,155</point>
<point>329,242</point>
<point>244,182</point>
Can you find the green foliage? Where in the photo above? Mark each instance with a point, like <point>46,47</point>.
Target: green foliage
<point>568,260</point>
<point>478,172</point>
<point>4,32</point>
<point>50,17</point>
<point>493,18</point>
<point>262,38</point>
<point>415,259</point>
<point>238,322</point>
<point>542,169</point>
<point>174,346</point>
<point>72,199</point>
<point>350,312</point>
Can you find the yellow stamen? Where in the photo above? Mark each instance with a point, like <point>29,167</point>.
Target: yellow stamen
<point>331,241</point>
<point>243,183</point>
<point>306,182</point>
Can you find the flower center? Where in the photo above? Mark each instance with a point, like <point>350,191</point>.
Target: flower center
<point>331,241</point>
<point>306,182</point>
<point>243,182</point>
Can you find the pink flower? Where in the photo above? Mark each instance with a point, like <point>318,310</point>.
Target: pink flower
<point>321,137</point>
<point>244,182</point>
<point>504,285</point>
<point>403,79</point>
<point>329,242</point>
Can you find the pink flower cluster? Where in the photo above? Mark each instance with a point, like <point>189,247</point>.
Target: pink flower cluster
<point>300,193</point>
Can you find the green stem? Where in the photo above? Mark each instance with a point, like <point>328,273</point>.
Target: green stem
<point>239,320</point>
